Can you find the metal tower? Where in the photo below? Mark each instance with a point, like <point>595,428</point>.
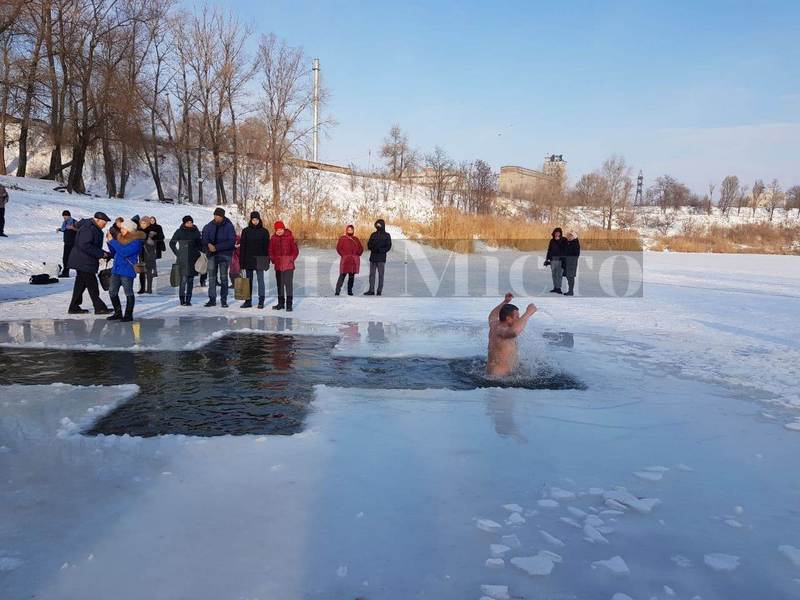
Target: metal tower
<point>315,69</point>
<point>639,200</point>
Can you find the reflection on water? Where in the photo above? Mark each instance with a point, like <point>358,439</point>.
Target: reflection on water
<point>243,383</point>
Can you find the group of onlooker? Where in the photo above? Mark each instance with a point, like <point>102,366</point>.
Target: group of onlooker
<point>562,258</point>
<point>218,252</point>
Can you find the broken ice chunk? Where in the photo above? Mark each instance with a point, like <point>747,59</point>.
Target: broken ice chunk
<point>594,521</point>
<point>681,561</point>
<point>497,550</point>
<point>732,523</point>
<point>576,511</point>
<point>488,525</point>
<point>593,536</point>
<point>515,519</point>
<point>669,591</point>
<point>495,563</point>
<point>513,508</point>
<point>512,541</point>
<point>794,425</point>
<point>649,475</point>
<point>656,469</point>
<point>620,596</point>
<point>551,539</point>
<point>341,571</point>
<point>721,562</point>
<point>790,552</point>
<point>548,503</point>
<point>496,592</point>
<point>624,498</point>
<point>542,564</point>
<point>615,564</point>
<point>561,494</point>
<point>570,521</point>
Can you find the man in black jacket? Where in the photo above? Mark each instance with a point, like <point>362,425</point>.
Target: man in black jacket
<point>379,244</point>
<point>85,259</point>
<point>3,202</point>
<point>69,229</point>
<point>186,245</point>
<point>254,256</point>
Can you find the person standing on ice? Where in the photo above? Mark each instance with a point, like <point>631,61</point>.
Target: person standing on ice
<point>379,244</point>
<point>186,245</point>
<point>219,239</point>
<point>283,251</point>
<point>85,259</point>
<point>126,248</point>
<point>254,256</point>
<point>3,202</point>
<point>69,229</point>
<point>505,324</point>
<point>350,250</point>
<point>572,250</point>
<point>555,253</point>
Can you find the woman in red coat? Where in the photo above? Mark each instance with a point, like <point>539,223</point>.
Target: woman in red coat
<point>350,249</point>
<point>283,252</point>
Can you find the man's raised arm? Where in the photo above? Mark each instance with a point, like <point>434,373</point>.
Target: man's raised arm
<point>519,325</point>
<point>495,314</point>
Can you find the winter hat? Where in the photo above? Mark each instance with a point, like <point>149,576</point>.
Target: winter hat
<point>186,219</point>
<point>128,225</point>
<point>135,219</point>
<point>255,215</point>
<point>66,213</point>
<point>279,225</point>
<point>102,216</point>
<point>219,212</point>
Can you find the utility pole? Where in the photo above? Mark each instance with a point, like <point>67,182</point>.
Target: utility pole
<point>639,200</point>
<point>315,69</point>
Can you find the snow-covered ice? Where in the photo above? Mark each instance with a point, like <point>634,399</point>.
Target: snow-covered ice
<point>615,564</point>
<point>720,561</point>
<point>677,378</point>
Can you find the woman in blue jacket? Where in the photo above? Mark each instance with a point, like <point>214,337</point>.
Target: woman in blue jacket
<point>125,248</point>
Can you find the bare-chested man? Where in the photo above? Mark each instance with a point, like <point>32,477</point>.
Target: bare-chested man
<point>505,324</point>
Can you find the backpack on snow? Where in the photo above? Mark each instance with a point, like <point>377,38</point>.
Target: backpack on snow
<point>42,279</point>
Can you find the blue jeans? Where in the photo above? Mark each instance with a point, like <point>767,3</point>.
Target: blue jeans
<point>260,276</point>
<point>185,287</point>
<point>218,266</point>
<point>118,281</point>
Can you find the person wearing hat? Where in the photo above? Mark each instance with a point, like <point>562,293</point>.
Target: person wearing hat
<point>350,250</point>
<point>186,245</point>
<point>379,244</point>
<point>254,256</point>
<point>126,247</point>
<point>69,230</point>
<point>218,239</point>
<point>85,259</point>
<point>283,251</point>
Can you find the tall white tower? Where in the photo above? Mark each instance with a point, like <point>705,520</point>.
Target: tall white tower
<point>315,69</point>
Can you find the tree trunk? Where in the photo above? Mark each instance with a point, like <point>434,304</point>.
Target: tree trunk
<point>235,181</point>
<point>75,179</point>
<point>218,177</point>
<point>124,172</point>
<point>25,122</point>
<point>108,166</point>
<point>275,168</point>
<point>199,175</point>
<point>3,109</point>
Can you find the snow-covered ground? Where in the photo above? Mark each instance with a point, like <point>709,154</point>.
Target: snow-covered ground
<point>673,475</point>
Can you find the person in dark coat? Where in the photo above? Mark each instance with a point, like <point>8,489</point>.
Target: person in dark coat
<point>555,254</point>
<point>126,248</point>
<point>379,244</point>
<point>219,240</point>
<point>3,202</point>
<point>149,256</point>
<point>572,250</point>
<point>159,238</point>
<point>350,250</point>
<point>69,229</point>
<point>254,256</point>
<point>186,245</point>
<point>85,259</point>
<point>144,226</point>
<point>283,251</point>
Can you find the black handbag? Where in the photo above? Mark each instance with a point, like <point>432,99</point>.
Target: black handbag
<point>105,277</point>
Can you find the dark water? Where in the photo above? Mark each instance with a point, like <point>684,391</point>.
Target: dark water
<point>242,383</point>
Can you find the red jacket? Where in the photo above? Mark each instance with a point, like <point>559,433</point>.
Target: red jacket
<point>283,251</point>
<point>350,249</point>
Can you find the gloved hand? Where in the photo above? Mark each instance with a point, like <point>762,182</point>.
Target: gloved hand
<point>547,263</point>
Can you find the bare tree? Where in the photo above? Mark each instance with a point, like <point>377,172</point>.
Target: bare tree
<point>773,198</point>
<point>756,196</point>
<point>617,175</point>
<point>287,97</point>
<point>9,12</point>
<point>482,187</point>
<point>793,199</point>
<point>440,175</point>
<point>728,193</point>
<point>667,192</point>
<point>399,156</point>
<point>709,199</point>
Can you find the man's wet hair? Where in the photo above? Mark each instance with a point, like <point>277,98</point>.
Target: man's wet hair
<point>507,311</point>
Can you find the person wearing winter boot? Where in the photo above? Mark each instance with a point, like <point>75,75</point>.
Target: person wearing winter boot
<point>69,229</point>
<point>3,202</point>
<point>219,240</point>
<point>379,244</point>
<point>144,226</point>
<point>126,250</point>
<point>572,250</point>
<point>149,256</point>
<point>254,256</point>
<point>350,250</point>
<point>85,259</point>
<point>283,251</point>
<point>186,246</point>
<point>555,254</point>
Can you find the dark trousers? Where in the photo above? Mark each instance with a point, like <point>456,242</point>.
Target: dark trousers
<point>85,281</point>
<point>185,288</point>
<point>285,281</point>
<point>218,271</point>
<point>259,273</point>
<point>351,277</point>
<point>65,259</point>
<point>2,219</point>
<point>373,267</point>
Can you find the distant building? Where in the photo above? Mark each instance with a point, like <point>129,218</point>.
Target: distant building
<point>519,182</point>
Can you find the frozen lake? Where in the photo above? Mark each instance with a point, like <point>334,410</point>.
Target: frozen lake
<point>679,456</point>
